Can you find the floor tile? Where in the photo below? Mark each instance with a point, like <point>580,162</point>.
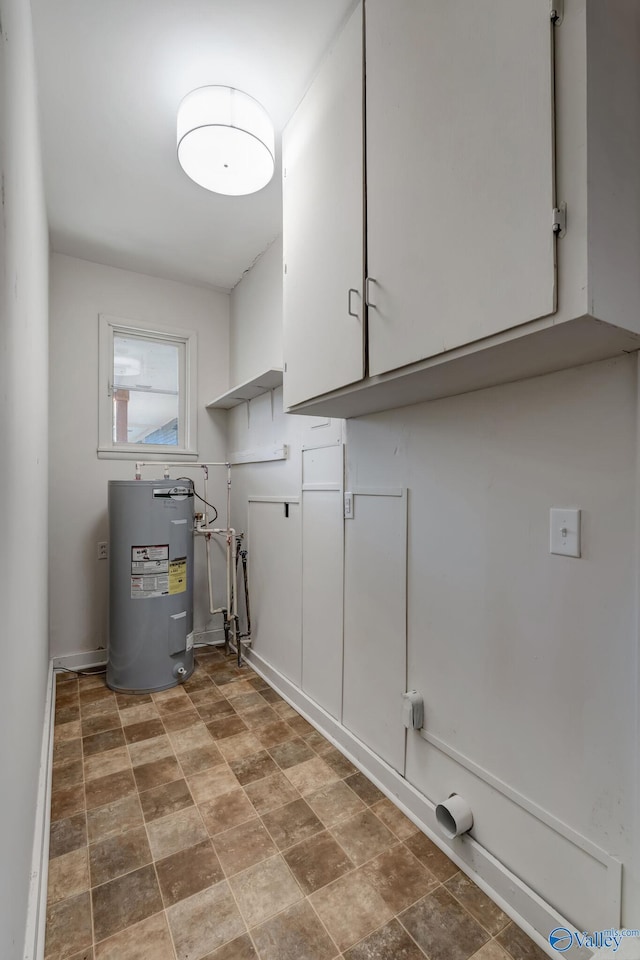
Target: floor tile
<point>101,722</point>
<point>226,727</point>
<point>240,949</point>
<point>256,719</point>
<point>242,745</point>
<point>66,731</point>
<point>205,921</point>
<point>338,762</point>
<point>394,819</point>
<point>189,739</point>
<point>350,908</point>
<point>477,903</point>
<point>176,832</point>
<point>112,761</point>
<point>68,875</point>
<point>258,683</point>
<point>274,733</point>
<point>334,803</point>
<point>67,835</point>
<point>518,945</point>
<point>432,857</point>
<point>176,693</point>
<point>65,801</point>
<point>291,753</point>
<point>364,789</point>
<point>248,701</point>
<point>284,711</point>
<point>181,720</point>
<point>125,901</point>
<point>317,861</point>
<point>318,743</point>
<point>188,871</point>
<point>115,786</point>
<point>390,942</point>
<point>243,846</point>
<point>100,708</point>
<point>363,836</point>
<point>492,951</point>
<point>144,730</point>
<point>153,774</point>
<point>292,823</point>
<point>264,890</point>
<point>399,878</point>
<point>148,940</point>
<point>270,696</point>
<point>257,766</point>
<point>67,750</point>
<point>66,774</point>
<point>86,954</point>
<point>301,726</point>
<point>309,776</point>
<point>68,927</point>
<point>114,818</point>
<point>295,934</point>
<point>100,742</point>
<point>213,711</point>
<point>200,759</point>
<point>168,798</point>
<point>211,783</point>
<point>170,708</point>
<point>116,856</point>
<point>239,689</point>
<point>146,751</point>
<point>226,811</point>
<point>64,713</point>
<point>271,792</point>
<point>442,928</point>
<point>139,713</point>
<point>92,694</point>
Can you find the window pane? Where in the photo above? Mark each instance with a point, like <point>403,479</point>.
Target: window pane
<point>145,391</point>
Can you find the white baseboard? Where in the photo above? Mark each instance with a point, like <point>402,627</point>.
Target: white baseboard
<point>533,914</point>
<point>81,661</point>
<point>37,904</point>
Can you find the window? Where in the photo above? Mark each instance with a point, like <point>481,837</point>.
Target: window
<point>147,402</point>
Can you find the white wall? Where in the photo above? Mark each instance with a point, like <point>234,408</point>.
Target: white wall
<point>528,662</point>
<point>23,478</point>
<point>81,290</point>
<point>256,318</point>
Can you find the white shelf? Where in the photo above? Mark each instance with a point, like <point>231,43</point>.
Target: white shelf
<point>266,381</point>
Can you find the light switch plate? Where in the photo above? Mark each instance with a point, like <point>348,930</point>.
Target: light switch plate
<point>564,531</point>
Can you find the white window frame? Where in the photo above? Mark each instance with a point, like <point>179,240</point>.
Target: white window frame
<point>187,392</point>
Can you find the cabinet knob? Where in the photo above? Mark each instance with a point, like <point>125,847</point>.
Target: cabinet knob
<point>350,310</point>
<point>367,296</point>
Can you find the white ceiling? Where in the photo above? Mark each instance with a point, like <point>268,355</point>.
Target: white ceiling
<point>111,75</point>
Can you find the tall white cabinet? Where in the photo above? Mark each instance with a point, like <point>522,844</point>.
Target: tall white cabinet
<point>323,211</point>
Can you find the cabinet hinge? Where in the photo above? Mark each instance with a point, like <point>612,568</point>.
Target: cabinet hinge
<point>560,220</point>
<point>557,11</point>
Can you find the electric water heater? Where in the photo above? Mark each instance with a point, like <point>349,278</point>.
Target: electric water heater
<point>150,585</point>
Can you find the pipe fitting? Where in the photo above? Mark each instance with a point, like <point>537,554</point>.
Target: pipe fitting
<point>454,816</point>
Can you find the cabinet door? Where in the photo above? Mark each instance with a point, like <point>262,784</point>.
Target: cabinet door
<point>322,157</point>
<point>460,172</point>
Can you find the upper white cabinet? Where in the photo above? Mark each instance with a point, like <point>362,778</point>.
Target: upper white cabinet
<point>460,173</point>
<point>322,240</point>
<point>501,233</point>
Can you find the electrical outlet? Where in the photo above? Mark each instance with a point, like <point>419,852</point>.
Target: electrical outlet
<point>103,550</point>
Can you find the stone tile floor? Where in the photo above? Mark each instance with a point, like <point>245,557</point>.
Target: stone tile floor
<point>212,822</point>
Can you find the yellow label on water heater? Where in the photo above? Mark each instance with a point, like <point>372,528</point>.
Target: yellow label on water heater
<point>178,575</point>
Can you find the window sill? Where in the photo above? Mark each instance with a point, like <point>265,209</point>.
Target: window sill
<point>161,456</point>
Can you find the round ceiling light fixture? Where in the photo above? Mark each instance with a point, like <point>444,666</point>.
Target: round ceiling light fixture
<point>226,141</point>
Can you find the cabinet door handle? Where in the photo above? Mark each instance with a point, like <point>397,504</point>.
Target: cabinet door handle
<point>350,310</point>
<point>369,302</point>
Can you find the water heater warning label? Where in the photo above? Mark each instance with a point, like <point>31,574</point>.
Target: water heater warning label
<point>150,571</point>
<point>178,575</point>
